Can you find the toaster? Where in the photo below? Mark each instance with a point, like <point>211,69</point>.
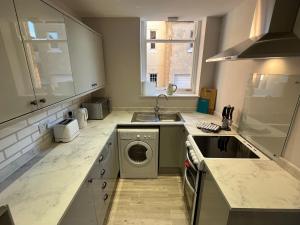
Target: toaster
<point>66,130</point>
<point>98,108</point>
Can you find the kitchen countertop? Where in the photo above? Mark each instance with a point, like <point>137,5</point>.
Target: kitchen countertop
<point>255,184</point>
<point>42,194</point>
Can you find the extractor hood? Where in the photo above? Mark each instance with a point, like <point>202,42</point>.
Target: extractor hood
<point>272,33</point>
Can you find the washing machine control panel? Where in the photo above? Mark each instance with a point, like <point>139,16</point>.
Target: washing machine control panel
<point>138,135</point>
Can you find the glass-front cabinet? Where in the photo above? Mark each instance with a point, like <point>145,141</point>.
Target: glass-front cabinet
<point>45,57</point>
<point>44,35</point>
<point>17,96</point>
<point>86,60</point>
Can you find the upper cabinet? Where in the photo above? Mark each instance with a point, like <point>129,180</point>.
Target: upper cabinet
<point>45,57</point>
<point>86,55</point>
<point>17,96</point>
<point>45,40</point>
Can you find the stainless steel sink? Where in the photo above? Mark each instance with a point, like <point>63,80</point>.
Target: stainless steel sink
<point>161,117</point>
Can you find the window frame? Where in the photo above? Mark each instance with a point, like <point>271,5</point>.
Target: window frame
<point>196,50</point>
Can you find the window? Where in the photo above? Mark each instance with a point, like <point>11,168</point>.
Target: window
<point>153,78</point>
<point>152,37</point>
<point>183,81</point>
<point>175,57</point>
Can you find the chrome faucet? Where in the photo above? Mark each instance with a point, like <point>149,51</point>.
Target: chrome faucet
<point>156,108</point>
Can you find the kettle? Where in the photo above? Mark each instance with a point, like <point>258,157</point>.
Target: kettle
<point>172,88</point>
<point>81,115</point>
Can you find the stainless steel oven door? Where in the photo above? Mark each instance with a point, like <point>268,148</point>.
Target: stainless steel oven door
<point>191,178</point>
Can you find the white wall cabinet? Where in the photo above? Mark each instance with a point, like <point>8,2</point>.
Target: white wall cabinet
<point>40,63</point>
<point>91,203</point>
<point>86,57</point>
<point>45,40</point>
<point>15,83</point>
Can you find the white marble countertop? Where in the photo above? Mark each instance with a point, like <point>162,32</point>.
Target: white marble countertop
<point>253,184</point>
<point>41,195</point>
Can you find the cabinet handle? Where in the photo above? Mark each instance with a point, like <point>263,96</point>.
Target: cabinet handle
<point>90,180</point>
<point>104,184</point>
<point>102,172</point>
<point>43,100</point>
<point>105,197</point>
<point>34,102</point>
<point>101,158</point>
<point>94,84</point>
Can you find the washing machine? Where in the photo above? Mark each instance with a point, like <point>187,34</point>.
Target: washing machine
<point>138,152</point>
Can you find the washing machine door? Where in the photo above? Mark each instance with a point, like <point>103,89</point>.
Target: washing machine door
<point>138,153</point>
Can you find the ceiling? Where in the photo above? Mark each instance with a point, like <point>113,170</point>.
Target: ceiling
<point>150,9</point>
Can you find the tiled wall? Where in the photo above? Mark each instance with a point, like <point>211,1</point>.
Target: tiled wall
<point>22,140</point>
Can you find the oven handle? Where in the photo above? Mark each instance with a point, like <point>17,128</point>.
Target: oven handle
<point>190,162</point>
<point>188,146</point>
<point>188,183</point>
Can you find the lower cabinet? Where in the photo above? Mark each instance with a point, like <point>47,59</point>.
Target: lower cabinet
<point>92,202</point>
<point>171,148</point>
<point>213,209</point>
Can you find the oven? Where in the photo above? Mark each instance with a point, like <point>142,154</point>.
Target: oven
<point>192,180</point>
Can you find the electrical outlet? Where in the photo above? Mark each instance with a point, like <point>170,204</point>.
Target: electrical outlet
<point>42,127</point>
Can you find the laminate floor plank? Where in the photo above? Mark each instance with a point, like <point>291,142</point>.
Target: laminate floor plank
<point>149,202</point>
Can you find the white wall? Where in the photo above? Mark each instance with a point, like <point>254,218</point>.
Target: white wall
<point>122,64</point>
<point>231,77</point>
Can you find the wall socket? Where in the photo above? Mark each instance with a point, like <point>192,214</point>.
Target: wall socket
<point>43,127</point>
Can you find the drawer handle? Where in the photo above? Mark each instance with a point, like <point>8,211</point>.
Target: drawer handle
<point>102,172</point>
<point>101,158</point>
<point>34,102</point>
<point>105,197</point>
<point>94,84</point>
<point>43,100</point>
<point>104,184</point>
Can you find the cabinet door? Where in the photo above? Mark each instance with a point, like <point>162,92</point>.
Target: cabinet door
<point>44,35</point>
<point>170,149</point>
<point>212,206</point>
<point>15,82</point>
<point>82,210</point>
<point>100,78</point>
<point>86,57</point>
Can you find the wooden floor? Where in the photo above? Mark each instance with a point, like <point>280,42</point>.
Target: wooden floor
<point>149,202</point>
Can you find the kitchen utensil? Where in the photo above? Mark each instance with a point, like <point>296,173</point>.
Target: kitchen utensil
<point>98,108</point>
<point>209,127</point>
<point>66,130</point>
<point>81,115</point>
<point>202,105</point>
<point>227,117</point>
<point>172,88</point>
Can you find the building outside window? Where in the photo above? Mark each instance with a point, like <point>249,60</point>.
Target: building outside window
<point>175,57</point>
<point>152,37</point>
<point>153,78</point>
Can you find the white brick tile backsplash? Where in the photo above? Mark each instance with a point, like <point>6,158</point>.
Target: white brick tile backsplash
<point>13,128</point>
<point>17,147</point>
<point>37,117</point>
<point>5,142</point>
<point>10,160</point>
<point>2,156</point>
<point>18,139</point>
<point>67,104</point>
<point>52,118</point>
<point>54,110</point>
<point>35,136</point>
<point>61,113</point>
<point>27,131</point>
